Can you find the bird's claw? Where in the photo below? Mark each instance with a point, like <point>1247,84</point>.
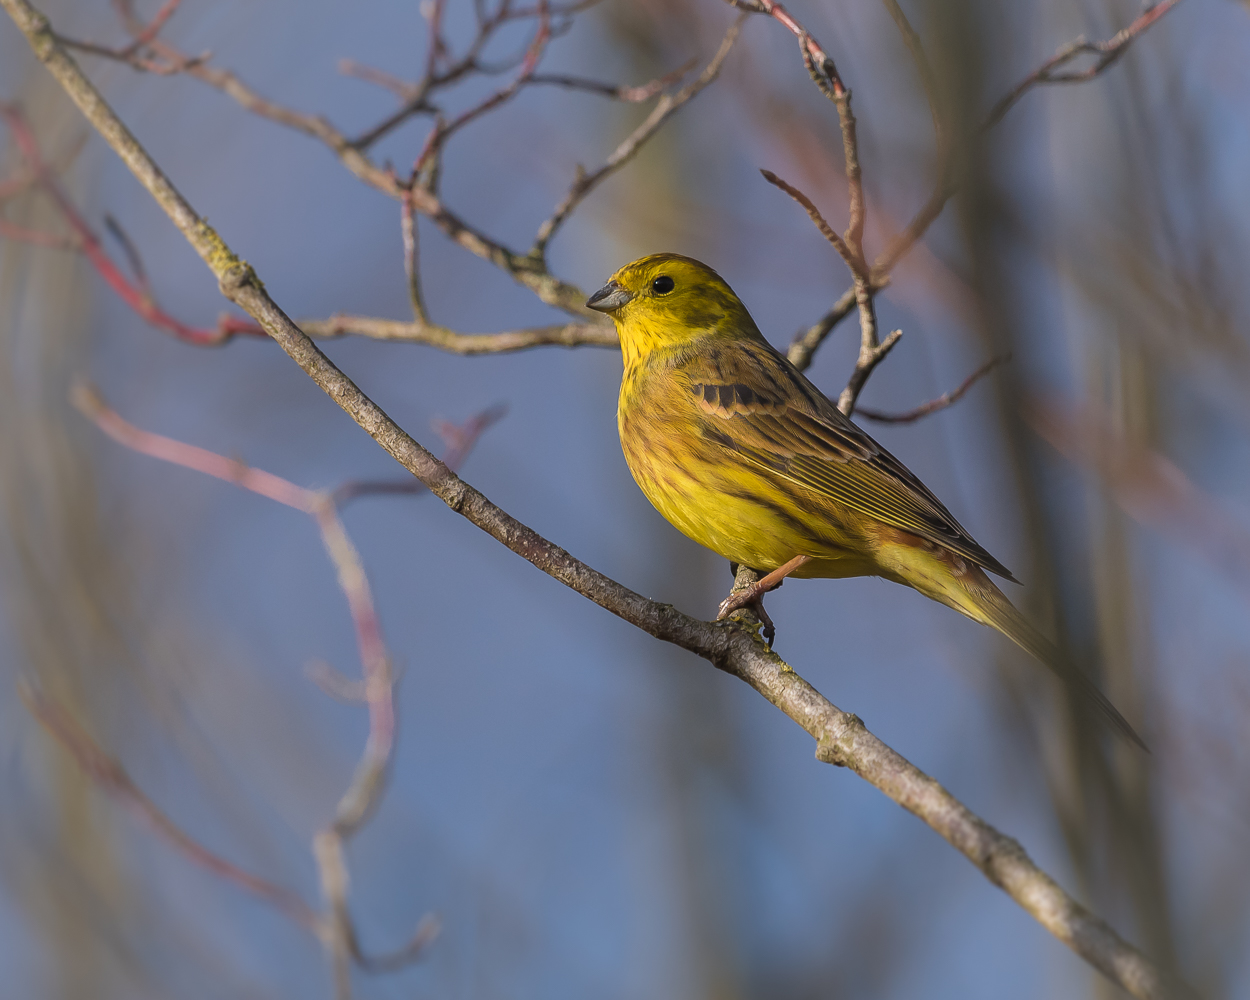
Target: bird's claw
<point>749,597</point>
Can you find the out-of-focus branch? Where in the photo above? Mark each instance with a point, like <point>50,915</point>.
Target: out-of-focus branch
<point>665,107</point>
<point>460,440</point>
<point>412,264</point>
<point>630,95</point>
<point>84,239</point>
<point>928,79</point>
<point>1147,486</point>
<point>934,405</point>
<point>842,739</point>
<point>377,685</point>
<point>111,778</point>
<point>1107,53</point>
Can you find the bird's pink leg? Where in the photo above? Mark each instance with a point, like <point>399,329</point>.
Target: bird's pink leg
<point>754,594</point>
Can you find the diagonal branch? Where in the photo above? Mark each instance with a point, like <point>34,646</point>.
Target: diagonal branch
<point>113,780</point>
<point>871,352</point>
<point>1108,52</point>
<point>665,108</point>
<point>841,738</point>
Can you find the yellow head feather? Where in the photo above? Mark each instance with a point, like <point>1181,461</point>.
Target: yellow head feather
<point>665,302</point>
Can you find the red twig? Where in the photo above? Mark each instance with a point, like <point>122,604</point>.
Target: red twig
<point>460,440</point>
<point>113,780</point>
<point>145,35</point>
<point>817,61</point>
<point>933,405</point>
<point>377,685</point>
<point>85,240</point>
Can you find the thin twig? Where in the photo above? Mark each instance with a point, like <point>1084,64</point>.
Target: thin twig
<point>523,268</point>
<point>561,335</point>
<point>871,352</point>
<point>934,405</point>
<point>364,792</point>
<point>841,738</point>
<point>111,778</point>
<point>443,131</point>
<point>412,262</point>
<point>138,295</point>
<point>853,262</point>
<point>1108,52</point>
<point>820,66</point>
<point>665,107</point>
<point>460,440</point>
<point>630,95</point>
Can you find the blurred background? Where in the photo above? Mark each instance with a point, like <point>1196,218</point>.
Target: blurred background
<point>590,812</point>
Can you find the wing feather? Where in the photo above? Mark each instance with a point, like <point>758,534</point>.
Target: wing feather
<point>799,434</point>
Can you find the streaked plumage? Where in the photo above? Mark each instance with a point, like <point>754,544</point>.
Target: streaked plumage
<point>736,448</point>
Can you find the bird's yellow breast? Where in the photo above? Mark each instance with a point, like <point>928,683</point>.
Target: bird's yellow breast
<point>710,494</point>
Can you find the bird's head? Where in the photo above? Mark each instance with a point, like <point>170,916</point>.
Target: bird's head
<point>667,301</point>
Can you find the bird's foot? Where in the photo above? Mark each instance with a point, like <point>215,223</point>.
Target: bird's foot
<point>748,598</point>
<point>751,597</point>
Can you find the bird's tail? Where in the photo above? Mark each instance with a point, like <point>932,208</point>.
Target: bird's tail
<point>967,589</point>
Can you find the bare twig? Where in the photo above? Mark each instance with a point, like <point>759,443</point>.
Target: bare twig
<point>137,296</point>
<point>560,335</point>
<point>378,682</point>
<point>665,107</point>
<point>443,131</point>
<point>111,778</point>
<point>871,352</point>
<point>934,405</point>
<point>853,261</point>
<point>1107,53</point>
<point>630,95</point>
<point>460,440</point>
<point>401,88</point>
<point>351,153</point>
<point>841,738</point>
<point>412,263</point>
<point>850,246</point>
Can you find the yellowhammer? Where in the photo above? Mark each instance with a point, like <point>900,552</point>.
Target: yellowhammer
<point>742,453</point>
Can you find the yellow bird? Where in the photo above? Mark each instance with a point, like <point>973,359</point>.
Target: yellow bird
<point>735,447</point>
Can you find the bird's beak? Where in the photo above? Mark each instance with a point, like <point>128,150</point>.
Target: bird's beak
<point>609,298</point>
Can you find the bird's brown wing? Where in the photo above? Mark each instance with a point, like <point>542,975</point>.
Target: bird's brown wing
<point>761,407</point>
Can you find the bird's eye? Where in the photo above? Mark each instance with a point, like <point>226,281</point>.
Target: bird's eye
<point>662,285</point>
